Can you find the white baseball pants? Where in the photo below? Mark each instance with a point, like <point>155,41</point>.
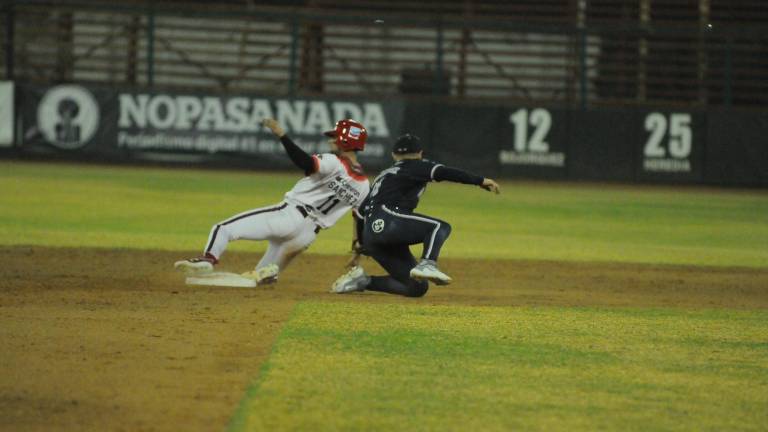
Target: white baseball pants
<point>286,228</point>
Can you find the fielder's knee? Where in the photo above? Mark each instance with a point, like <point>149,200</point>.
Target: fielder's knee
<point>444,231</point>
<point>417,288</point>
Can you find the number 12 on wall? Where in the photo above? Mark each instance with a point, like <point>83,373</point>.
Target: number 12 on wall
<point>541,120</point>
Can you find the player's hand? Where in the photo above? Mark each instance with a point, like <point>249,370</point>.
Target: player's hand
<point>356,246</point>
<point>274,126</point>
<point>490,185</point>
<point>357,252</point>
<point>354,261</point>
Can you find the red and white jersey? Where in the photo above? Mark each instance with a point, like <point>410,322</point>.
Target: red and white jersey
<point>331,190</point>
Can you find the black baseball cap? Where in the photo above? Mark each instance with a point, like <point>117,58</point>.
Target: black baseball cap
<point>407,144</point>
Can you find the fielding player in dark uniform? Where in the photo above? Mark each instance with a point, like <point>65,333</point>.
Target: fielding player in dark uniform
<point>390,225</point>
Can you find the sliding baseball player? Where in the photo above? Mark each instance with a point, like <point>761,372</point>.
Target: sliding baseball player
<point>333,183</point>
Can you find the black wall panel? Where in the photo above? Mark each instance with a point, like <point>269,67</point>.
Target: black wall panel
<point>600,147</point>
<point>465,137</point>
<point>737,148</point>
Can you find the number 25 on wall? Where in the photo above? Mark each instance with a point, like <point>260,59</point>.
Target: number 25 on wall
<point>680,135</point>
<point>541,120</point>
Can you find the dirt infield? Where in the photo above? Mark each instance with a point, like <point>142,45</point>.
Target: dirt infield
<point>113,339</point>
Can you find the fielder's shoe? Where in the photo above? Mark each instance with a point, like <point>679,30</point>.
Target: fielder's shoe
<point>354,280</point>
<point>265,275</point>
<point>202,264</point>
<point>427,270</point>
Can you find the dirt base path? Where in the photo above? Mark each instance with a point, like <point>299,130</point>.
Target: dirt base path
<point>113,340</point>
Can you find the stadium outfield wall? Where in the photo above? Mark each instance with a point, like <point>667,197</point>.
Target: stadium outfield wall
<point>673,146</point>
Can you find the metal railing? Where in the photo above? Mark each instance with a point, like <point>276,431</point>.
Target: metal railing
<point>579,55</point>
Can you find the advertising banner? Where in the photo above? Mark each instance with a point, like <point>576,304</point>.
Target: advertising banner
<point>192,128</point>
<point>6,114</point>
<point>668,146</point>
<point>183,124</point>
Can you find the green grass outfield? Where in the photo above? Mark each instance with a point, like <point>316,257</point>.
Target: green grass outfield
<point>154,208</point>
<point>397,367</point>
<point>342,365</point>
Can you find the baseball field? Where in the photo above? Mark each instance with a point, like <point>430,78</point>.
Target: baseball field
<point>574,307</point>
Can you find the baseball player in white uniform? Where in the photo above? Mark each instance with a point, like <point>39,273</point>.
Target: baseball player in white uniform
<point>334,183</point>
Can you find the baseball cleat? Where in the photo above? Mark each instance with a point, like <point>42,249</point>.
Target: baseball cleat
<point>427,270</point>
<point>353,280</point>
<point>265,275</point>
<point>195,265</point>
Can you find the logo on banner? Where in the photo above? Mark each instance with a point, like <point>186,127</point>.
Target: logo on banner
<point>68,116</point>
<point>531,145</point>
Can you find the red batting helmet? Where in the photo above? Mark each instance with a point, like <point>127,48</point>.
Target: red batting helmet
<point>350,135</point>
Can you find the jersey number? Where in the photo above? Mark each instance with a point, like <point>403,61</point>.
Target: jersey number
<point>328,204</point>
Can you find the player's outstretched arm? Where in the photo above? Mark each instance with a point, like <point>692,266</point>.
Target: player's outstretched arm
<point>456,175</point>
<point>299,157</point>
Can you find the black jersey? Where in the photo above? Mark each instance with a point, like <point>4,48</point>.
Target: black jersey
<point>401,185</point>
